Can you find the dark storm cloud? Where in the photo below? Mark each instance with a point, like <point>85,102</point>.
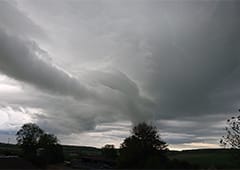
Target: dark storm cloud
<point>114,93</point>
<point>22,60</point>
<point>173,61</point>
<point>188,50</point>
<point>201,53</point>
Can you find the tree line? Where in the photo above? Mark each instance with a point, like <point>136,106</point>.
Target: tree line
<point>144,148</point>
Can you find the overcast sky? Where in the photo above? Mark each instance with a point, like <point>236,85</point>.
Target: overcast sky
<point>87,70</point>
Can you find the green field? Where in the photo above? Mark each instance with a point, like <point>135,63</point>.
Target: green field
<point>209,158</point>
<point>71,152</point>
<point>204,158</point>
<point>9,149</point>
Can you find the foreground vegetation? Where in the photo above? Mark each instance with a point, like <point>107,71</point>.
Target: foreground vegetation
<point>204,158</point>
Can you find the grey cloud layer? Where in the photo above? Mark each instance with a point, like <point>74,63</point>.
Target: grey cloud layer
<point>19,60</point>
<point>203,51</point>
<point>183,55</point>
<point>22,61</point>
<point>14,21</point>
<point>111,95</point>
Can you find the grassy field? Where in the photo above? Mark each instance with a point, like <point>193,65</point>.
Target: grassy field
<point>205,158</point>
<point>209,158</point>
<point>9,149</point>
<point>71,152</point>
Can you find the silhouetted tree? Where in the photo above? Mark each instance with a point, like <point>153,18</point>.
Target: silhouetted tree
<point>28,138</point>
<point>141,147</point>
<point>109,151</point>
<point>50,149</point>
<point>232,138</point>
<point>38,146</point>
<point>47,140</point>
